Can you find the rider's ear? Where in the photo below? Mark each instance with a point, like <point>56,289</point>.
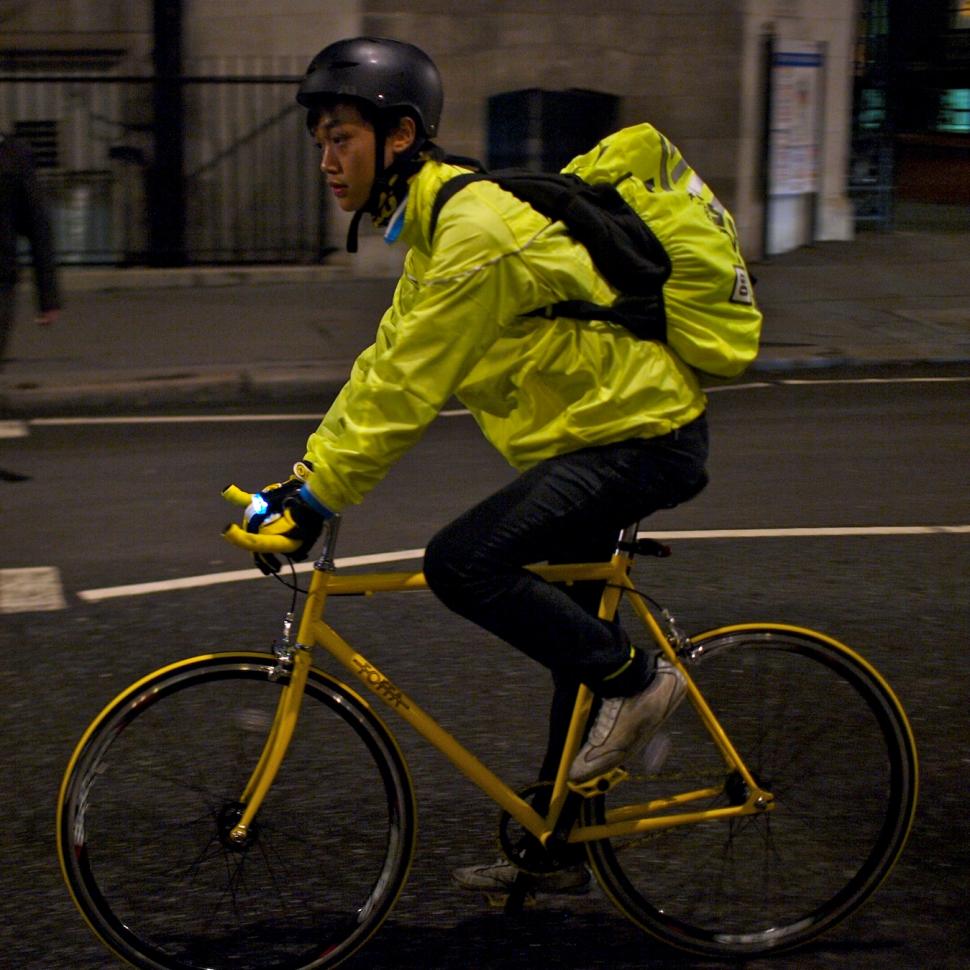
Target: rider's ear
<point>403,135</point>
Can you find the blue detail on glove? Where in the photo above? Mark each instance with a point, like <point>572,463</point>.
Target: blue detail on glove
<point>258,504</point>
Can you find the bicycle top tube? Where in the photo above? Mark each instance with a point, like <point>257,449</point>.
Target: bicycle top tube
<point>626,542</point>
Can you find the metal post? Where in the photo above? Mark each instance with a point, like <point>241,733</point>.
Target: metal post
<point>166,186</point>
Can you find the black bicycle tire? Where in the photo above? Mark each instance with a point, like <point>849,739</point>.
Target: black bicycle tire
<point>80,783</point>
<point>661,920</point>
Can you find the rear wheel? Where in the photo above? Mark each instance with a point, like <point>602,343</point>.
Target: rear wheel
<point>153,791</point>
<point>821,730</point>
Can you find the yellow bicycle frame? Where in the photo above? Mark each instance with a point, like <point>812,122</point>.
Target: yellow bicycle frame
<point>313,632</point>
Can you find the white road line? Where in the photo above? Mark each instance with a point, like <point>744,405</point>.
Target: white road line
<point>240,575</point>
<point>31,590</point>
<point>826,381</point>
<point>810,532</point>
<point>875,380</point>
<point>13,429</point>
<point>751,385</point>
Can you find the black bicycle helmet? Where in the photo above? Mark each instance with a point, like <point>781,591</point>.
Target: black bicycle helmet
<point>384,73</point>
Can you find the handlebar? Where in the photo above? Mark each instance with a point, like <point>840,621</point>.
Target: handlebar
<point>250,541</point>
<point>236,496</point>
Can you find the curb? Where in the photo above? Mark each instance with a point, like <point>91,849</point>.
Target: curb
<point>151,391</point>
<point>339,266</point>
<point>141,278</point>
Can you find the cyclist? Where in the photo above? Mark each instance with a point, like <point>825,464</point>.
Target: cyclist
<point>604,427</point>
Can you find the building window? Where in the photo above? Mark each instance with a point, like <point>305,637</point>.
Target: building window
<point>960,14</point>
<point>871,110</point>
<point>954,110</point>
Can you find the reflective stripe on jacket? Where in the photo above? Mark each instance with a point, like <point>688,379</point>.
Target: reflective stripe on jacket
<point>457,326</point>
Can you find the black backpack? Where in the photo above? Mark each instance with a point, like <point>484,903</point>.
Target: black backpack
<point>623,248</point>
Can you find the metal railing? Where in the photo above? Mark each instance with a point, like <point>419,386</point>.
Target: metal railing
<point>248,188</point>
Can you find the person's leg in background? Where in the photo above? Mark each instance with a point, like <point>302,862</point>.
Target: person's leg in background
<point>8,306</point>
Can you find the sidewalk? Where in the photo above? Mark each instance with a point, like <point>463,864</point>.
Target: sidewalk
<point>137,338</point>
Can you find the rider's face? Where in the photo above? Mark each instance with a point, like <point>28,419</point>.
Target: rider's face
<point>347,157</point>
<point>346,143</point>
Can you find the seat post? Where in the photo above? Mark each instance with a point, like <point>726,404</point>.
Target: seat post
<point>627,537</point>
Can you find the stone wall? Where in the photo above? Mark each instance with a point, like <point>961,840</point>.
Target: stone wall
<point>694,68</point>
<point>673,64</point>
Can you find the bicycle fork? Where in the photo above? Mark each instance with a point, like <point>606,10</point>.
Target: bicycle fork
<point>277,743</point>
<point>294,660</point>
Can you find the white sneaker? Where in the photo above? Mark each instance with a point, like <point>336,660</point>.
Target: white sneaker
<point>624,725</point>
<point>498,877</point>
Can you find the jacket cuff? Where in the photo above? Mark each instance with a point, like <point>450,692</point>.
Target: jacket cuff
<point>310,499</point>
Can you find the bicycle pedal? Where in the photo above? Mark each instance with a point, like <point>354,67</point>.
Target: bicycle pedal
<point>601,784</point>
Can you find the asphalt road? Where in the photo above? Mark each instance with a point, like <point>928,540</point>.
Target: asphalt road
<point>116,504</point>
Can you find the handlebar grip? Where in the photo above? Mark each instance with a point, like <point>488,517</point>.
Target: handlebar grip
<point>254,542</point>
<point>236,496</point>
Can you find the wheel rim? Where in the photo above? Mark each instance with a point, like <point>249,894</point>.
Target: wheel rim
<point>775,879</point>
<point>152,866</point>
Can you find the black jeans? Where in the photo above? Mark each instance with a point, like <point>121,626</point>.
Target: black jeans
<point>570,508</point>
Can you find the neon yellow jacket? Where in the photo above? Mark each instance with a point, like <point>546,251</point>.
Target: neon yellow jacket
<point>537,387</point>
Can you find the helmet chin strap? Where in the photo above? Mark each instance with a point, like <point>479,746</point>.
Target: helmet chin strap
<point>380,138</point>
<point>389,186</point>
<point>352,231</point>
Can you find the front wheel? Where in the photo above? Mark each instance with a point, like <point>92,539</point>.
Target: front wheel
<point>819,728</point>
<point>153,790</point>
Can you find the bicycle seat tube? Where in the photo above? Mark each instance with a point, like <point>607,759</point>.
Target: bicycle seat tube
<point>609,603</point>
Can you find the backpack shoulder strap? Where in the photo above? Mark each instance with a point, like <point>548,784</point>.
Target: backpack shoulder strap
<point>547,192</point>
<point>447,190</point>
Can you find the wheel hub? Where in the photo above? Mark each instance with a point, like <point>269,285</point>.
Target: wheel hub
<point>227,820</point>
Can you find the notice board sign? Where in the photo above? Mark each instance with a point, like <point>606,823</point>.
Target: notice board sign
<point>796,70</point>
